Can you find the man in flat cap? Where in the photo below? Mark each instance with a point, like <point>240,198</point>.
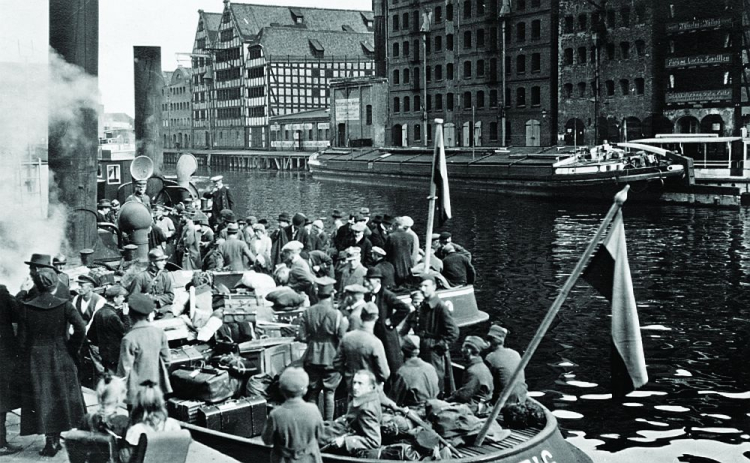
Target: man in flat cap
<point>352,272</point>
<point>362,242</point>
<point>457,268</point>
<point>362,350</point>
<point>352,304</point>
<point>109,327</point>
<point>478,385</point>
<point>322,327</point>
<point>416,381</point>
<point>87,302</point>
<point>503,361</point>
<point>437,331</point>
<point>235,251</point>
<point>445,238</point>
<point>293,429</point>
<point>154,282</point>
<point>385,268</point>
<point>319,237</point>
<point>103,208</point>
<point>221,198</point>
<point>391,312</point>
<point>399,248</point>
<point>301,278</point>
<point>144,352</point>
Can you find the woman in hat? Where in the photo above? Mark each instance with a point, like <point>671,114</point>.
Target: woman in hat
<point>109,327</point>
<point>478,385</point>
<point>52,399</point>
<point>260,245</point>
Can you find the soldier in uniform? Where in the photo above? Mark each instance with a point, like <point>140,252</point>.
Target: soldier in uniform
<point>188,244</point>
<point>416,381</point>
<point>478,385</point>
<point>154,282</point>
<point>293,429</point>
<point>221,198</point>
<point>503,361</point>
<point>322,327</point>
<point>361,349</point>
<point>140,195</point>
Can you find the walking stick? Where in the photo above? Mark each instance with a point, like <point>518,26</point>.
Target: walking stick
<point>620,198</point>
<point>419,422</point>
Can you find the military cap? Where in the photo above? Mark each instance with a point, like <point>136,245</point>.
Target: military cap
<point>497,332</point>
<point>115,290</point>
<point>141,182</point>
<point>410,344</point>
<point>325,286</point>
<point>299,219</point>
<point>294,246</point>
<point>355,289</point>
<point>294,380</point>
<point>378,250</point>
<point>217,178</point>
<point>370,309</point>
<point>233,228</point>
<point>359,227</point>
<point>140,303</point>
<point>88,279</point>
<point>476,342</point>
<point>156,254</point>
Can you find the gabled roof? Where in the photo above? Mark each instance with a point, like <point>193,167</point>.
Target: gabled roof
<point>167,75</point>
<point>283,41</point>
<point>251,19</point>
<point>181,71</point>
<point>211,22</point>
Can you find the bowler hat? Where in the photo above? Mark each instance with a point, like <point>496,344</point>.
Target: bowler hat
<point>299,219</point>
<point>104,203</point>
<point>40,260</point>
<point>336,214</point>
<point>387,220</point>
<point>284,217</point>
<point>140,303</point>
<point>374,272</point>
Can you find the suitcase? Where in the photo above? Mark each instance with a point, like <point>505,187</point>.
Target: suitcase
<point>207,384</point>
<point>244,417</point>
<point>184,410</point>
<point>174,328</point>
<point>185,357</point>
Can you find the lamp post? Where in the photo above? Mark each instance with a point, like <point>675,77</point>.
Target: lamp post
<point>208,79</point>
<point>503,15</point>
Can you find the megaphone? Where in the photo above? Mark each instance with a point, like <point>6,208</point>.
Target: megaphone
<point>141,168</point>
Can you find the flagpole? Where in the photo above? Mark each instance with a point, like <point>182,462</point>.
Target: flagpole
<point>432,199</point>
<point>620,199</point>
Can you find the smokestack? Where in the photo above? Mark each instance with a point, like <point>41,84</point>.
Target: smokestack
<point>379,36</point>
<point>149,83</point>
<point>74,34</point>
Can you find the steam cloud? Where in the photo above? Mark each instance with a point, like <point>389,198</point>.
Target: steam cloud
<point>34,96</point>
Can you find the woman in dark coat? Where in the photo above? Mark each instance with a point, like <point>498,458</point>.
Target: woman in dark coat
<point>9,397</point>
<point>52,397</point>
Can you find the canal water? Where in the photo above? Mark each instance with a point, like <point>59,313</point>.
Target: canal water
<point>691,273</point>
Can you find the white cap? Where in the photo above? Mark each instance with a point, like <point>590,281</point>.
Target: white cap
<point>217,178</point>
<point>294,246</point>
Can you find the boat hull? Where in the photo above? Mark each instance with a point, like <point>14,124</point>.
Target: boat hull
<point>548,446</point>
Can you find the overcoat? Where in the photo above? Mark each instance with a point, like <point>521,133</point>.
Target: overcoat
<point>144,355</point>
<point>399,253</point>
<point>391,311</point>
<point>10,399</point>
<point>52,397</point>
<point>293,429</point>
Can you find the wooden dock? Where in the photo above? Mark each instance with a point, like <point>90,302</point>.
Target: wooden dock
<point>242,160</point>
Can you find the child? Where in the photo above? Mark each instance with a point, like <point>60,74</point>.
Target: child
<point>110,418</point>
<point>294,428</point>
<point>149,415</point>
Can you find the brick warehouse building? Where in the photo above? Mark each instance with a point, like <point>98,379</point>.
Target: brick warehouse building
<point>177,109</point>
<point>463,71</point>
<point>244,70</point>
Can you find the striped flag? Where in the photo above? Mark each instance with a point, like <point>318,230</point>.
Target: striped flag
<point>440,178</point>
<point>609,273</point>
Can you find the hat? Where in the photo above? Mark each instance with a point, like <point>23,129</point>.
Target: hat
<point>115,290</point>
<point>59,259</point>
<point>284,217</point>
<point>259,226</point>
<point>476,342</point>
<point>88,279</point>
<point>378,250</point>
<point>200,218</point>
<point>308,222</point>
<point>336,214</point>
<point>371,309</point>
<point>407,221</point>
<point>263,222</point>
<point>445,236</point>
<point>40,260</point>
<point>355,289</point>
<point>294,246</point>
<point>104,203</point>
<point>156,254</point>
<point>377,219</point>
<point>217,178</point>
<point>497,332</point>
<point>115,203</point>
<point>241,221</point>
<point>318,224</point>
<point>233,228</point>
<point>46,278</point>
<point>449,248</point>
<point>387,220</point>
<point>251,220</point>
<point>140,303</point>
<point>359,227</point>
<point>427,277</point>
<point>364,211</point>
<point>294,380</point>
<point>409,344</point>
<point>325,286</point>
<point>374,272</point>
<point>189,211</point>
<point>141,182</point>
<point>299,219</point>
<point>359,217</point>
<point>352,252</point>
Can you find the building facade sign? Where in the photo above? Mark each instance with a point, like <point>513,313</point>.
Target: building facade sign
<point>698,60</point>
<point>324,125</point>
<point>698,24</point>
<point>724,94</point>
<point>347,109</point>
<point>275,127</point>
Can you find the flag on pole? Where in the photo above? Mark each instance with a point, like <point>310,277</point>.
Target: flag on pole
<point>609,273</point>
<point>440,177</point>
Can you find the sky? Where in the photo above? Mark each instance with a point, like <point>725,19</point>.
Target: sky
<point>124,24</point>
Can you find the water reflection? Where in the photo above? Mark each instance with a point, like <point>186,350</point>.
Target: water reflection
<point>689,268</point>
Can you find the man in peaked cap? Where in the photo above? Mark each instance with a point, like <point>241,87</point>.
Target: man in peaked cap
<point>352,272</point>
<point>235,251</point>
<point>322,327</point>
<point>352,303</point>
<point>416,381</point>
<point>109,326</point>
<point>87,302</point>
<point>189,242</point>
<point>103,208</point>
<point>399,248</point>
<point>154,282</point>
<point>388,273</point>
<point>503,361</point>
<point>139,194</point>
<point>478,385</point>
<point>221,198</point>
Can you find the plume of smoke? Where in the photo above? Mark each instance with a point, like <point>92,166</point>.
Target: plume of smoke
<point>34,97</point>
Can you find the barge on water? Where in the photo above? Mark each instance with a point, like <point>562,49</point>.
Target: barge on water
<point>591,174</point>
